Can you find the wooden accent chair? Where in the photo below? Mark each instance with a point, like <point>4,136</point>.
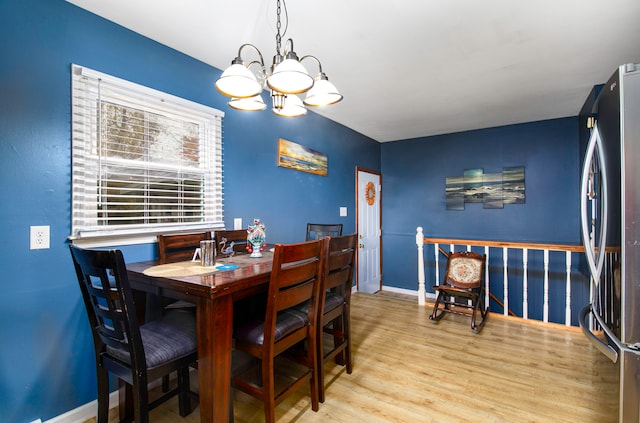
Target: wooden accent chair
<point>463,279</point>
<point>321,230</point>
<point>335,319</point>
<point>135,354</point>
<point>180,247</point>
<point>226,237</point>
<point>296,277</point>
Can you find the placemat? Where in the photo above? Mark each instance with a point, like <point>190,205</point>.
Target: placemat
<point>182,268</point>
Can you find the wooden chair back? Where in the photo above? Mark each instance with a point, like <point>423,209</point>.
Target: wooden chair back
<point>296,277</point>
<point>108,299</point>
<point>180,247</point>
<point>340,256</point>
<point>321,230</point>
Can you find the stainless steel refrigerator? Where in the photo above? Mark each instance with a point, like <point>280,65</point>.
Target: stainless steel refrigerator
<point>610,212</point>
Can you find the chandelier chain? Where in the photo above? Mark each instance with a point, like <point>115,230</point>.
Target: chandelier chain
<point>278,26</point>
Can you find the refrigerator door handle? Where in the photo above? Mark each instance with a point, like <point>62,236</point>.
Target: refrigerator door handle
<point>603,347</point>
<point>595,262</point>
<point>611,351</point>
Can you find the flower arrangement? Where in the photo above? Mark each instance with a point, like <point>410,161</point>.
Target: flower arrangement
<point>256,237</point>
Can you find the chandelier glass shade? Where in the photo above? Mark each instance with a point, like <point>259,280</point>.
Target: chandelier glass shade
<point>293,107</point>
<point>238,81</point>
<point>287,79</point>
<point>290,77</point>
<point>248,104</point>
<point>323,93</point>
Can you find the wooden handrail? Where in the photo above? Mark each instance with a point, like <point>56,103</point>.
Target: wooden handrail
<point>502,244</point>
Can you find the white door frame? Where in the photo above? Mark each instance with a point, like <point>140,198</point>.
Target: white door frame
<point>361,201</point>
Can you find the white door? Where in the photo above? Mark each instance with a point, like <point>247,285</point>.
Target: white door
<point>369,232</point>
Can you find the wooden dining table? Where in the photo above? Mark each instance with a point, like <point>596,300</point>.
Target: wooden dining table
<point>214,292</point>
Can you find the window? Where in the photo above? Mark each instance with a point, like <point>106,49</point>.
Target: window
<point>143,162</point>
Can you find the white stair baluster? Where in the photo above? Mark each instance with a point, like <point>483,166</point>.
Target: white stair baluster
<point>436,250</point>
<point>452,250</point>
<point>505,259</point>
<point>486,277</point>
<point>469,302</point>
<point>567,317</point>
<point>545,307</point>
<point>422,292</point>
<point>525,284</point>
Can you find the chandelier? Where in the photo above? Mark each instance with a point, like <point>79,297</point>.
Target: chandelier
<point>286,79</point>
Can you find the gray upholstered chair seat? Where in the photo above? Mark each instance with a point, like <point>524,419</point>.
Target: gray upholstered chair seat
<point>286,322</point>
<point>164,340</point>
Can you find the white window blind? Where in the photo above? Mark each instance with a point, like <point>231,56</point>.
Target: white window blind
<point>143,162</point>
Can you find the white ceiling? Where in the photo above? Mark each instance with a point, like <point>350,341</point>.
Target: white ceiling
<point>414,68</point>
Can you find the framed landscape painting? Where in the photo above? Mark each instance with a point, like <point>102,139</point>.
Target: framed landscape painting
<point>298,157</point>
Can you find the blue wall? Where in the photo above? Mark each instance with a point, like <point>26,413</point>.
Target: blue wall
<point>414,173</point>
<point>46,357</point>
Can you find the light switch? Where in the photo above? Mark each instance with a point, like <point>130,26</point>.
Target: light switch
<point>343,211</point>
<point>237,223</point>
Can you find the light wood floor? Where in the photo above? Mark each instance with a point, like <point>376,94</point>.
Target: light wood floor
<point>408,369</point>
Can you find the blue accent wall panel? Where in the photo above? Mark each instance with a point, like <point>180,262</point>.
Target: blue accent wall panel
<point>414,173</point>
<point>46,358</point>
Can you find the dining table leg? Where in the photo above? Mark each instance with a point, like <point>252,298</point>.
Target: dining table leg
<point>215,328</point>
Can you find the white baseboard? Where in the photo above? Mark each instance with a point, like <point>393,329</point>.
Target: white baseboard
<point>400,290</point>
<point>410,292</point>
<point>89,410</point>
<point>84,412</point>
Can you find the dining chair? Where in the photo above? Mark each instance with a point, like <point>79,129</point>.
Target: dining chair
<point>321,230</point>
<point>225,238</point>
<point>464,280</point>
<point>171,249</point>
<point>180,247</point>
<point>136,354</point>
<point>229,243</point>
<point>335,319</point>
<point>296,277</point>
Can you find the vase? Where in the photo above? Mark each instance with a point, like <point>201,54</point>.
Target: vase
<point>256,237</point>
<point>255,252</point>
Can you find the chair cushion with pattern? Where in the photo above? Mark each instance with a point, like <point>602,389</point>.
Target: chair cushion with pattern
<point>465,272</point>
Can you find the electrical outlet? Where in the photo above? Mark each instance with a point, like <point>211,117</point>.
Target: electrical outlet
<point>39,237</point>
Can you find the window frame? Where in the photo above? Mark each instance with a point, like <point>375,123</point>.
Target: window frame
<point>89,89</point>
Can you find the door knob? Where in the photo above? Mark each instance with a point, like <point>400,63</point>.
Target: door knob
<point>361,245</point>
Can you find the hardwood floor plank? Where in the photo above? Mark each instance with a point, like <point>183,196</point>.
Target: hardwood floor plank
<point>408,369</point>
